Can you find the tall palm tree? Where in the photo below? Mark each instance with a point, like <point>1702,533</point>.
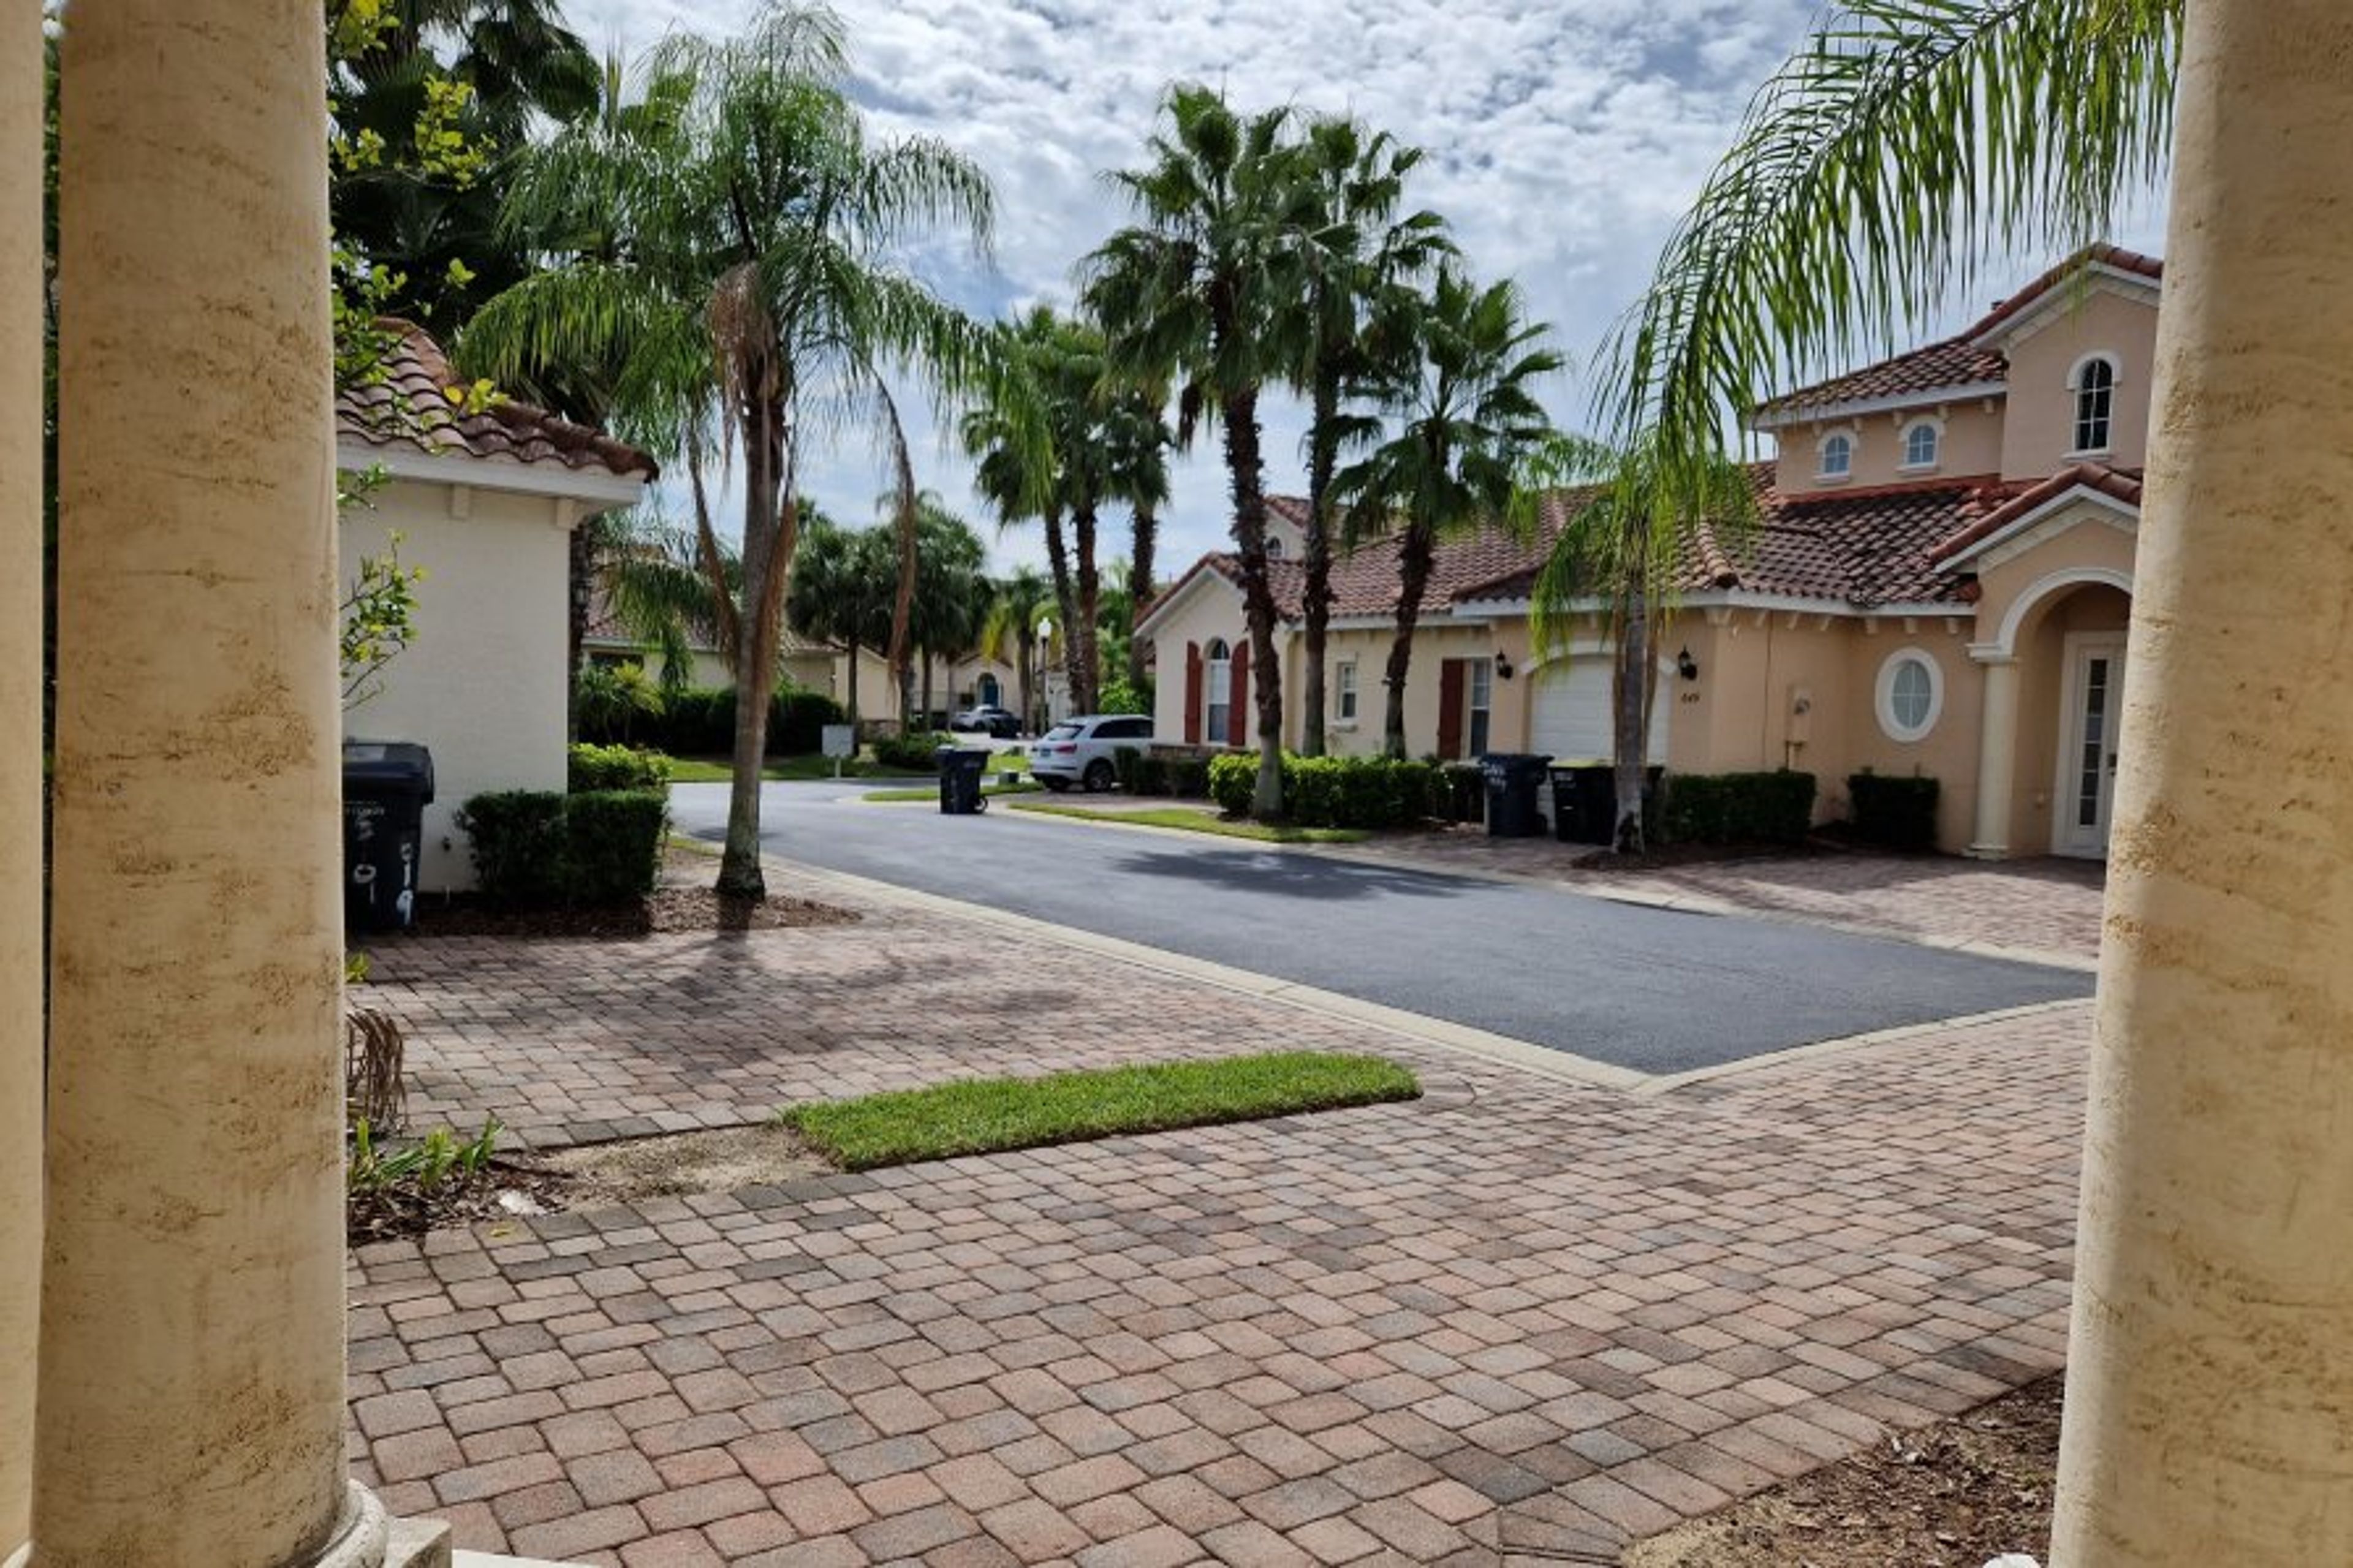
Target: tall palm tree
<point>1468,422</point>
<point>1194,294</point>
<point>1137,438</point>
<point>1018,479</point>
<point>751,299</point>
<point>844,583</point>
<point>950,592</point>
<point>1355,258</point>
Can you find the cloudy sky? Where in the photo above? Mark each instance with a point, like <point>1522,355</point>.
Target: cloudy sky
<point>1564,137</point>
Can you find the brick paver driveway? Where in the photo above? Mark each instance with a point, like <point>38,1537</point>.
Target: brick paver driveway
<point>1518,1318</point>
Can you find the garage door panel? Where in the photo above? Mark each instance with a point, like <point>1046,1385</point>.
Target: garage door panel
<point>1571,718</point>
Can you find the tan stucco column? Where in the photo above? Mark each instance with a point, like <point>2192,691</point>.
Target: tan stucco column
<point>2210,1398</point>
<point>1997,755</point>
<point>20,753</point>
<point>192,1315</point>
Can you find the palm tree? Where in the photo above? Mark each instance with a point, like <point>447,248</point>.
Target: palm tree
<point>1467,424</point>
<point>951,594</point>
<point>844,583</point>
<point>1137,438</point>
<point>742,284</point>
<point>1355,257</point>
<point>1194,294</point>
<point>1009,629</point>
<point>1019,481</point>
<point>657,586</point>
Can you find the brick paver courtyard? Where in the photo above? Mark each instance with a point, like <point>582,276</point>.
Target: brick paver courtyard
<point>1519,1318</point>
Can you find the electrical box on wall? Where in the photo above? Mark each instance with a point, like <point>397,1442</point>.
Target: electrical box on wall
<point>1801,715</point>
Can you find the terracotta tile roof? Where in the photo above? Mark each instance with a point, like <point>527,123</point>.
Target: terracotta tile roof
<point>2123,484</point>
<point>1958,361</point>
<point>408,408</point>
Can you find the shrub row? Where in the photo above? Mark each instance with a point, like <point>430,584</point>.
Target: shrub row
<point>539,849</point>
<point>1147,773</point>
<point>1338,791</point>
<point>616,767</point>
<point>1739,808</point>
<point>914,752</point>
<point>1895,813</point>
<point>700,722</point>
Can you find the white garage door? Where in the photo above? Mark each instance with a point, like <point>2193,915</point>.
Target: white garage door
<point>1572,712</point>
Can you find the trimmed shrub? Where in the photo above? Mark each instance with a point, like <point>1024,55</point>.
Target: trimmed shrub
<point>616,767</point>
<point>1233,779</point>
<point>1459,793</point>
<point>1189,777</point>
<point>1895,813</point>
<point>913,752</point>
<point>612,841</point>
<point>517,842</point>
<point>1739,808</point>
<point>796,721</point>
<point>1141,772</point>
<point>699,722</point>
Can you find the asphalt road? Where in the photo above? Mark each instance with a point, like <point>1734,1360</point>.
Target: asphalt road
<point>1654,990</point>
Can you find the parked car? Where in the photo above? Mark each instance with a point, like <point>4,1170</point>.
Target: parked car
<point>1002,723</point>
<point>1082,752</point>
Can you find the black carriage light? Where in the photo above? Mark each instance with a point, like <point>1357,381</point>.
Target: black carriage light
<point>1686,666</point>
<point>1503,664</point>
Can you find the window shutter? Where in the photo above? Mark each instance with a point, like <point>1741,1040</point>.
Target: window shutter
<point>1192,694</point>
<point>1453,691</point>
<point>1237,699</point>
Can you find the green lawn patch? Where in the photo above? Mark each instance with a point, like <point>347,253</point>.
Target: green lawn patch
<point>717,770</point>
<point>990,1115</point>
<point>1202,821</point>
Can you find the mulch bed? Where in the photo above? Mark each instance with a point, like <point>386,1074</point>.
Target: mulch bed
<point>393,1213</point>
<point>1954,1495</point>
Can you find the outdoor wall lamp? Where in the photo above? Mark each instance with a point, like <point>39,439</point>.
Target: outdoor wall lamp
<point>1503,664</point>
<point>1686,666</point>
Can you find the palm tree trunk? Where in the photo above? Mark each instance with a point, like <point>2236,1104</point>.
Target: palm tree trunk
<point>902,607</point>
<point>1146,529</point>
<point>1066,598</point>
<point>851,705</point>
<point>1629,712</point>
<point>1085,655</point>
<point>1323,457</point>
<point>2209,1393</point>
<point>1415,555</point>
<point>1245,470</point>
<point>771,527</point>
<point>927,688</point>
<point>580,570</point>
<point>1027,641</point>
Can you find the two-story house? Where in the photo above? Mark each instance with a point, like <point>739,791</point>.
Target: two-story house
<point>1940,585</point>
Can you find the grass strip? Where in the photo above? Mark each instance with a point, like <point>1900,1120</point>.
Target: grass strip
<point>986,1116</point>
<point>991,790</point>
<point>1191,821</point>
<point>705,769</point>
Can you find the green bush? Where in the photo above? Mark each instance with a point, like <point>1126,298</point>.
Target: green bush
<point>1122,696</point>
<point>796,721</point>
<point>1739,808</point>
<point>612,841</point>
<point>1895,813</point>
<point>1189,777</point>
<point>913,752</point>
<point>1233,779</point>
<point>517,841</point>
<point>1459,792</point>
<point>1140,773</point>
<point>617,767</point>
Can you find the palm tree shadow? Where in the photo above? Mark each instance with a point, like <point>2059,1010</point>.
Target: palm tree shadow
<point>1293,876</point>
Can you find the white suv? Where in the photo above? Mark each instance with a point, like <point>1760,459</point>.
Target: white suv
<point>1082,752</point>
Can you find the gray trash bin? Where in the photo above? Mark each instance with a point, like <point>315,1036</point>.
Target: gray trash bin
<point>1513,780</point>
<point>960,774</point>
<point>387,784</point>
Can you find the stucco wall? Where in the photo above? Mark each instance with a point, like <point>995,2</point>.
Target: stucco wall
<point>2040,431</point>
<point>1208,610</point>
<point>1972,443</point>
<point>1948,752</point>
<point>483,685</point>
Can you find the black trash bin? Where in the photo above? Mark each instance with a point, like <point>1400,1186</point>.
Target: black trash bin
<point>1585,802</point>
<point>1513,780</point>
<point>387,784</point>
<point>960,774</point>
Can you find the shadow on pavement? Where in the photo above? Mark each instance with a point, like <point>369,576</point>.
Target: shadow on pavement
<point>1293,876</point>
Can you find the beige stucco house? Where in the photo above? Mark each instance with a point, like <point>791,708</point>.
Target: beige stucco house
<point>485,503</point>
<point>1939,586</point>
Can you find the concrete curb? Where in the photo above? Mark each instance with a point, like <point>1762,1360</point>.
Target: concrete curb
<point>1667,1083</point>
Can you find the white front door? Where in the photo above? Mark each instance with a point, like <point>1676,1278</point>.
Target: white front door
<point>2090,720</point>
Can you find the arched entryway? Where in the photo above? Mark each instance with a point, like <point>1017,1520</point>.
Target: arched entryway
<point>991,693</point>
<point>2055,682</point>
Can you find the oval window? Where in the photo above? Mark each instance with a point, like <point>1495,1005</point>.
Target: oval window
<point>1911,695</point>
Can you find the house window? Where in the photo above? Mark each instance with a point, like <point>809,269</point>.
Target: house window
<point>2096,403</point>
<point>1343,692</point>
<point>1216,693</point>
<point>1838,456</point>
<point>1920,446</point>
<point>1482,691</point>
<point>1911,695</point>
<point>1274,548</point>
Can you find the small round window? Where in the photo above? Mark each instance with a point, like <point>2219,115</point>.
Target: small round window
<point>1911,695</point>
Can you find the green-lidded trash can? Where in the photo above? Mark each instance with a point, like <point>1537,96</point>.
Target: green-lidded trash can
<point>960,774</point>
<point>1513,780</point>
<point>387,784</point>
<point>1585,802</point>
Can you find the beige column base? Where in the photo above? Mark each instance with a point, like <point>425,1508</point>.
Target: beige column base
<point>1997,755</point>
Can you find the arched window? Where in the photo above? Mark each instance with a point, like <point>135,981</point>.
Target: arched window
<point>1838,456</point>
<point>1217,691</point>
<point>1275,547</point>
<point>1920,444</point>
<point>2096,403</point>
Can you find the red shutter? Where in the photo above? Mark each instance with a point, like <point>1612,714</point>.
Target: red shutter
<point>1453,690</point>
<point>1237,699</point>
<point>1192,694</point>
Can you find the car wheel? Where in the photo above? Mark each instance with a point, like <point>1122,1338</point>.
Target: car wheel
<point>1099,777</point>
<point>1055,787</point>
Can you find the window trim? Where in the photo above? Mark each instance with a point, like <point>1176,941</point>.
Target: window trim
<point>1883,702</point>
<point>2077,392</point>
<point>1936,458</point>
<point>1479,716</point>
<point>1823,472</point>
<point>1343,692</point>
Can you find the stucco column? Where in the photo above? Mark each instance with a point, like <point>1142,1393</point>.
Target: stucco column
<point>1997,756</point>
<point>2210,1398</point>
<point>20,753</point>
<point>192,1313</point>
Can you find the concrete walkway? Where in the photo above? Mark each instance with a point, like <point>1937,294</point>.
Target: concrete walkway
<point>1523,1317</point>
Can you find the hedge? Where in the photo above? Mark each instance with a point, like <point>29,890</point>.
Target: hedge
<point>1739,808</point>
<point>1895,813</point>
<point>913,752</point>
<point>539,849</point>
<point>616,767</point>
<point>700,722</point>
<point>1337,791</point>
